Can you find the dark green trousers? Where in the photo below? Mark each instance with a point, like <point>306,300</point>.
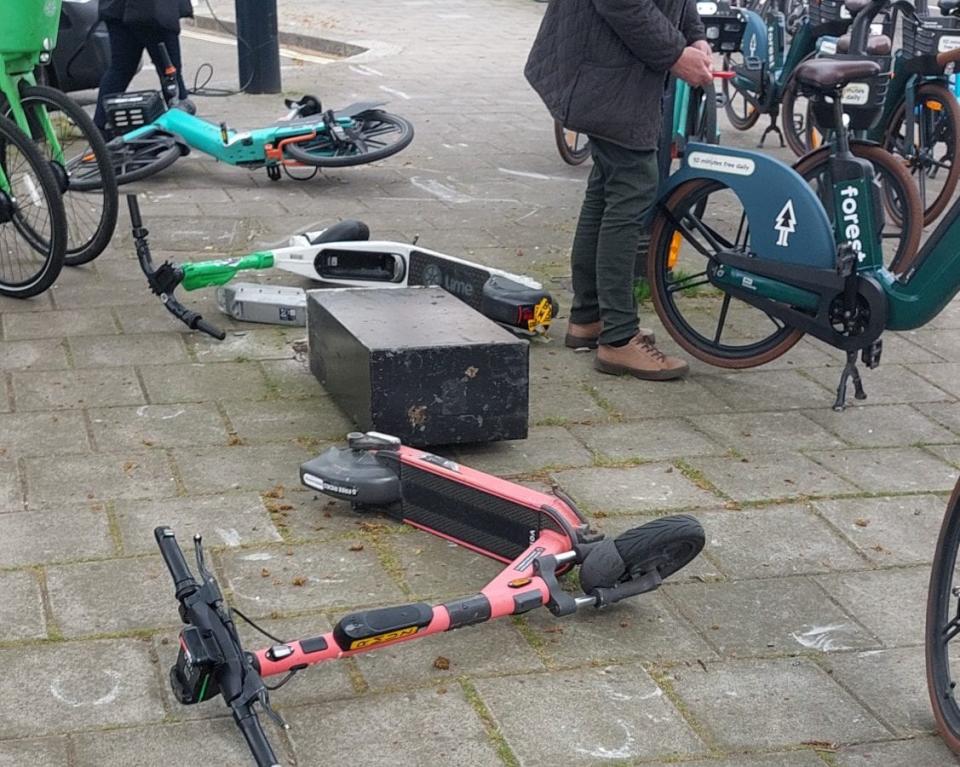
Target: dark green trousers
<point>621,188</point>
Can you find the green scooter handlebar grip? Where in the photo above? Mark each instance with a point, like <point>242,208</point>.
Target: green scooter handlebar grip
<point>203,274</point>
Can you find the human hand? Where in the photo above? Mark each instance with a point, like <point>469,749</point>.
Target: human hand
<point>694,67</point>
<point>703,45</point>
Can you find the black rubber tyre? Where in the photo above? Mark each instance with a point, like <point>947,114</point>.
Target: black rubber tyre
<point>740,112</point>
<point>942,624</point>
<point>666,545</point>
<point>139,158</point>
<point>796,118</point>
<point>378,135</point>
<point>574,148</point>
<point>683,296</point>
<point>89,184</point>
<point>937,124</point>
<point>33,225</point>
<point>903,213</point>
<point>702,115</point>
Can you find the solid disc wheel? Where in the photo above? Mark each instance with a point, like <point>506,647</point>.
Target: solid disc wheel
<point>573,147</point>
<point>699,218</point>
<point>371,136</point>
<point>933,163</point>
<point>138,158</point>
<point>943,625</point>
<point>33,226</point>
<point>742,114</point>
<point>82,164</point>
<point>902,225</point>
<point>666,545</point>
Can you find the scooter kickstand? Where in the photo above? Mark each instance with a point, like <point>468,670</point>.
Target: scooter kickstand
<point>771,128</point>
<point>849,372</point>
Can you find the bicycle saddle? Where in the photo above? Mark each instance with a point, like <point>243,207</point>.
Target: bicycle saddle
<point>877,45</point>
<point>855,6</point>
<point>949,7</point>
<point>830,74</point>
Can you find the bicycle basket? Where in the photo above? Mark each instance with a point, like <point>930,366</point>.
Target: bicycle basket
<point>930,35</point>
<point>29,28</point>
<point>724,30</point>
<point>127,111</point>
<point>862,99</point>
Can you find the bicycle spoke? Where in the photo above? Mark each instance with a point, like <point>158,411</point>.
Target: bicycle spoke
<point>723,317</point>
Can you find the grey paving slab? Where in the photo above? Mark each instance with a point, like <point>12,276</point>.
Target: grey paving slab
<point>545,447</point>
<point>787,615</point>
<point>890,384</point>
<point>889,531</point>
<point>228,519</point>
<point>765,432</point>
<point>290,379</point>
<point>253,342</point>
<point>653,439</point>
<point>43,433</point>
<point>42,537</point>
<point>563,405</point>
<point>11,496</point>
<point>638,399</point>
<point>70,389</point>
<point>447,729</point>
<point>240,467</point>
<point>309,577</point>
<point>883,425</point>
<point>891,470</point>
<point>285,420</point>
<point>784,759</point>
<point>219,741</point>
<point>45,752</point>
<point>97,351</point>
<point>21,611</point>
<point>903,753</point>
<point>775,541</point>
<point>770,476</point>
<point>612,718</point>
<point>639,488</point>
<point>764,390</point>
<point>906,349</point>
<point>39,303</point>
<point>949,453</point>
<point>891,683</point>
<point>44,354</point>
<point>97,477</point>
<point>433,567</point>
<point>76,685</point>
<point>72,322</point>
<point>83,597</point>
<point>945,413</point>
<point>942,375</point>
<point>133,428</point>
<point>203,382</point>
<point>786,702</point>
<point>943,344</point>
<point>891,603</point>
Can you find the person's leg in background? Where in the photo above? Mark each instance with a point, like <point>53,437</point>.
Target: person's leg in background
<point>126,49</point>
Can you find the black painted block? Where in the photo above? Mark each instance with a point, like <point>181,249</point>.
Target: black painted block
<point>418,364</point>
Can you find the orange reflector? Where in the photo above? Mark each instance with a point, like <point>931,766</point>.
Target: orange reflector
<point>933,106</point>
<point>674,250</point>
<point>517,583</point>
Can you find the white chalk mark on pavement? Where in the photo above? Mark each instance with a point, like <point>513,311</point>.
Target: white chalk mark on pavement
<point>395,92</point>
<point>229,536</point>
<point>362,69</point>
<point>56,689</point>
<point>437,189</point>
<point>819,637</point>
<point>539,176</point>
<point>622,752</point>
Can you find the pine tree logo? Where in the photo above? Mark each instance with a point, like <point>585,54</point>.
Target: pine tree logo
<point>786,224</point>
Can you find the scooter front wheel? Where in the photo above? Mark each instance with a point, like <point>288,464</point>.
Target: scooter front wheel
<point>708,323</point>
<point>373,135</point>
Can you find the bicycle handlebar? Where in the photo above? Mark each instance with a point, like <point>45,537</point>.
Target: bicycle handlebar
<point>183,581</point>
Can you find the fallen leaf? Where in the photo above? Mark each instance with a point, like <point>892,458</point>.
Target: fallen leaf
<point>441,663</point>
<point>299,581</point>
<point>356,547</point>
<point>861,522</point>
<point>264,572</point>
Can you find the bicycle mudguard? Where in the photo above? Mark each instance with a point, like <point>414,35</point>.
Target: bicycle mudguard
<point>787,221</point>
<point>489,515</point>
<point>358,107</point>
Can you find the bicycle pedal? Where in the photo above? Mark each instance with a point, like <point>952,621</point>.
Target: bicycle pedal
<point>870,355</point>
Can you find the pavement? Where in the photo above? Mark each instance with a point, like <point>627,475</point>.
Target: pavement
<point>795,640</point>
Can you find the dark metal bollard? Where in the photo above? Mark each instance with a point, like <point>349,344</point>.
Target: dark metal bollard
<point>258,49</point>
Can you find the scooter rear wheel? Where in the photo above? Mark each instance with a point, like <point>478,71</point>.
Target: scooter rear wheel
<point>139,158</point>
<point>373,136</point>
<point>709,324</point>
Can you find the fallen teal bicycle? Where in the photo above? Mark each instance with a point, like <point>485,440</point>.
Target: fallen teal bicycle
<point>152,133</point>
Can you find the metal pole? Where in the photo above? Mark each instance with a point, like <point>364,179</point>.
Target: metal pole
<point>258,48</point>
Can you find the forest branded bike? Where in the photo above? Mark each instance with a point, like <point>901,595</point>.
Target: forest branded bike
<point>153,133</point>
<point>744,259</point>
<point>536,536</point>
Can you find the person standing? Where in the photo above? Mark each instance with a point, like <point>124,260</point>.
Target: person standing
<point>135,25</point>
<point>600,67</point>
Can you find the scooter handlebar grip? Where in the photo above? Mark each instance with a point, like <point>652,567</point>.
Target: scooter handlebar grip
<point>256,738</point>
<point>134,207</point>
<point>183,580</point>
<point>211,330</point>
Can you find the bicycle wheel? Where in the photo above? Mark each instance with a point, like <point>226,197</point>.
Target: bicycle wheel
<point>574,148</point>
<point>742,114</point>
<point>943,625</point>
<point>799,130</point>
<point>702,115</point>
<point>373,136</point>
<point>33,226</point>
<point>139,158</point>
<point>902,225</point>
<point>933,163</point>
<point>84,170</point>
<point>708,323</point>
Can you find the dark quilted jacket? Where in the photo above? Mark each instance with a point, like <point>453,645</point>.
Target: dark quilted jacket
<point>599,65</point>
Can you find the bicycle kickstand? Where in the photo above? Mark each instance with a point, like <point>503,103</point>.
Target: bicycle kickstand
<point>849,372</point>
<point>772,128</point>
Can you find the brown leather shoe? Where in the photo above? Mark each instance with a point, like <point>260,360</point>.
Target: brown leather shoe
<point>640,359</point>
<point>588,336</point>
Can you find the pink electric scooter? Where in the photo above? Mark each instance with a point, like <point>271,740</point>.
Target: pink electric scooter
<point>538,537</point>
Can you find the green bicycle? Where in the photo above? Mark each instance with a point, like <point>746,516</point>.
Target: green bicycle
<point>60,128</point>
